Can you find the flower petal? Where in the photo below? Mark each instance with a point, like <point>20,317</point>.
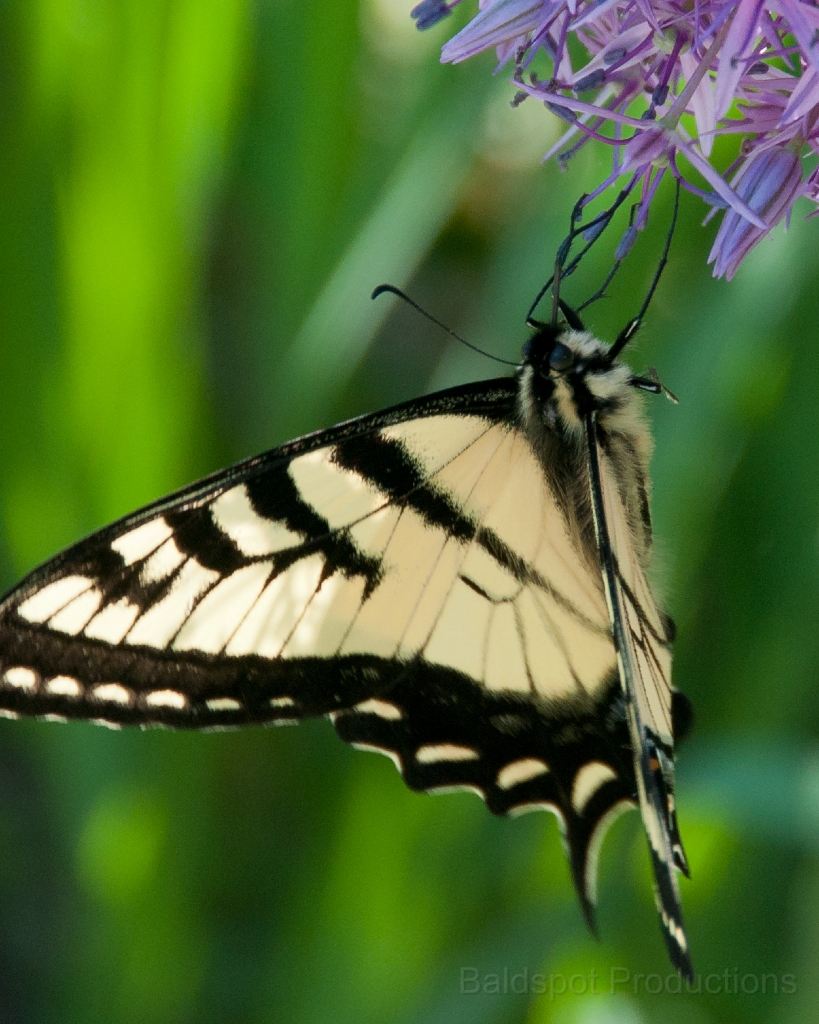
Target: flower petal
<point>719,185</point>
<point>703,104</point>
<point>737,45</point>
<point>804,97</point>
<point>803,21</point>
<point>499,22</point>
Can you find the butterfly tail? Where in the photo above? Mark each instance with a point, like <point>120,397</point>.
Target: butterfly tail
<point>655,788</point>
<point>672,926</point>
<point>583,839</point>
<point>584,875</point>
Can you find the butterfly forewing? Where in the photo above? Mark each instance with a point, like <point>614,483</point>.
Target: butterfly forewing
<point>412,574</point>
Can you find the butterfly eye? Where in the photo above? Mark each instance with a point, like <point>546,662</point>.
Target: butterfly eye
<point>561,357</point>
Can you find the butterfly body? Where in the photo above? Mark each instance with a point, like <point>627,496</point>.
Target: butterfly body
<point>459,582</point>
<point>553,407</point>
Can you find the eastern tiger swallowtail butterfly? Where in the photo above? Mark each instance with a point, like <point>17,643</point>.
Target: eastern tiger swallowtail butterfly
<point>459,582</point>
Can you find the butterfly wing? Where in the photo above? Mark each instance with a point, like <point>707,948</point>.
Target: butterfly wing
<point>643,636</point>
<point>409,574</point>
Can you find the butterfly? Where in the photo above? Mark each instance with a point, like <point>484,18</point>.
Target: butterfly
<point>459,582</point>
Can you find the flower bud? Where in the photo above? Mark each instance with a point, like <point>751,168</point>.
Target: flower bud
<point>769,182</point>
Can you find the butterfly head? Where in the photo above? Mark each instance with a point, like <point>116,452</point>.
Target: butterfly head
<point>568,373</point>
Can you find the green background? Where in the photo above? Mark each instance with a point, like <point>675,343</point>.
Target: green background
<point>196,198</point>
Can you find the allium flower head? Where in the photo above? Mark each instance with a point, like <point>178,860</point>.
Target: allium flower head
<point>658,82</point>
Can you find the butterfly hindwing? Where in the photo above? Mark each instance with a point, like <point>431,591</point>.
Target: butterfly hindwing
<point>643,636</point>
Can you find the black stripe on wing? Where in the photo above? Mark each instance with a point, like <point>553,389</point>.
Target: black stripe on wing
<point>276,497</point>
<point>392,469</point>
<point>197,536</point>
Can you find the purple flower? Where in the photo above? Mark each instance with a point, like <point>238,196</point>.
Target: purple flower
<point>659,81</point>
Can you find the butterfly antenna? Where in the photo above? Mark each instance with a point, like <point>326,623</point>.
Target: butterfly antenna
<point>631,327</point>
<point>382,288</point>
<point>592,230</point>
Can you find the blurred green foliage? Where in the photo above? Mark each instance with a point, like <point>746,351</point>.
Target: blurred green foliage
<point>196,198</point>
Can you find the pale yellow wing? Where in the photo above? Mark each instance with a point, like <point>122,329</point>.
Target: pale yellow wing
<point>642,636</point>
